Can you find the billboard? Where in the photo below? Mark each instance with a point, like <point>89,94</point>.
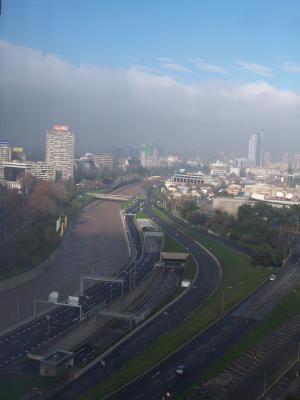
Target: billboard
<point>64,128</point>
<point>53,297</point>
<point>18,149</point>
<point>73,301</point>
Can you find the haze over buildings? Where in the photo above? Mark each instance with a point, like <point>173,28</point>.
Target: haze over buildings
<point>5,155</point>
<point>255,153</point>
<point>154,84</point>
<point>149,156</point>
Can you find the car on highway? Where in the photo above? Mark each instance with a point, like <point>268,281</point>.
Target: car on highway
<point>273,277</point>
<point>181,369</point>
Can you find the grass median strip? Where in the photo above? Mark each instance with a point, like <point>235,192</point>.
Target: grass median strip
<point>141,215</point>
<point>190,270</point>
<point>286,309</point>
<point>13,386</point>
<point>239,274</point>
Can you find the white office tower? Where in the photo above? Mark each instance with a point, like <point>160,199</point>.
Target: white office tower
<point>5,156</point>
<point>255,152</point>
<point>60,150</point>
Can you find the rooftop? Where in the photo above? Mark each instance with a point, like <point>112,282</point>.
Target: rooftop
<point>58,356</point>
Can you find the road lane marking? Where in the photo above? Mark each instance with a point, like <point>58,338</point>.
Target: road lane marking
<point>170,378</point>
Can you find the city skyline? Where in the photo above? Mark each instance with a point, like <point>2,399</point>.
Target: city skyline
<point>149,199</point>
<point>194,78</point>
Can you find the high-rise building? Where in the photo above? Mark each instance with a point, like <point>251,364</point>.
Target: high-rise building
<point>5,156</point>
<point>60,150</point>
<point>149,155</point>
<point>42,170</point>
<point>255,152</point>
<point>14,172</point>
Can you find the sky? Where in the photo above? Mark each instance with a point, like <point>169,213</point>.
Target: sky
<point>194,76</point>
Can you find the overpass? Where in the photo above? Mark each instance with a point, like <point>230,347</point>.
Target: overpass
<point>112,197</point>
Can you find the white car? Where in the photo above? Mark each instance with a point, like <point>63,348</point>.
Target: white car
<point>272,277</point>
<point>181,369</point>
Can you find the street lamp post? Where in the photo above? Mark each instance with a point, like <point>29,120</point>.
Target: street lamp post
<point>48,325</point>
<point>223,297</point>
<point>18,310</point>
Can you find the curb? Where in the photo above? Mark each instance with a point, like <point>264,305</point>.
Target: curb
<point>108,396</point>
<point>126,233</point>
<point>137,329</point>
<point>37,270</point>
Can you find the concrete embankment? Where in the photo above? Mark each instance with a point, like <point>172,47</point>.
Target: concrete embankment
<point>96,244</point>
<point>34,272</point>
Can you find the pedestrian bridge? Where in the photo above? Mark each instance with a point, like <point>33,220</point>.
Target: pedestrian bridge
<point>112,197</point>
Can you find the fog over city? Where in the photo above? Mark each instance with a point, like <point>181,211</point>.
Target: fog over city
<point>149,199</point>
<point>128,106</point>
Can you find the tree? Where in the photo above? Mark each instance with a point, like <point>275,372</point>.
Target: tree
<point>187,207</point>
<point>198,218</point>
<point>245,212</point>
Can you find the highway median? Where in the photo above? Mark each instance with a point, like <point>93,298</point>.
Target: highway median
<point>239,278</point>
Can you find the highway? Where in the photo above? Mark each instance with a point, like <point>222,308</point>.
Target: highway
<point>199,354</point>
<point>206,282</point>
<point>206,348</point>
<point>228,243</point>
<point>15,345</point>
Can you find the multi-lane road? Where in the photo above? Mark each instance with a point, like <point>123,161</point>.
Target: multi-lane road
<point>199,354</point>
<point>206,348</point>
<point>205,283</point>
<point>29,337</point>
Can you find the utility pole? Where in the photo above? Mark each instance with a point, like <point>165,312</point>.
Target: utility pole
<point>18,310</point>
<point>223,300</point>
<point>264,386</point>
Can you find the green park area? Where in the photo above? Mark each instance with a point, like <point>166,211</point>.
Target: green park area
<point>239,277</point>
<point>13,386</point>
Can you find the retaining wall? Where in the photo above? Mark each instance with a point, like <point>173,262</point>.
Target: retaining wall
<point>34,272</point>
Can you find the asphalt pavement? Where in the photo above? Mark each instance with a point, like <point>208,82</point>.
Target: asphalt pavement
<point>206,282</point>
<point>206,348</point>
<point>31,336</point>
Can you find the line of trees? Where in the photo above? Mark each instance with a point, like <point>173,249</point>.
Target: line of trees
<point>28,221</point>
<point>262,228</point>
